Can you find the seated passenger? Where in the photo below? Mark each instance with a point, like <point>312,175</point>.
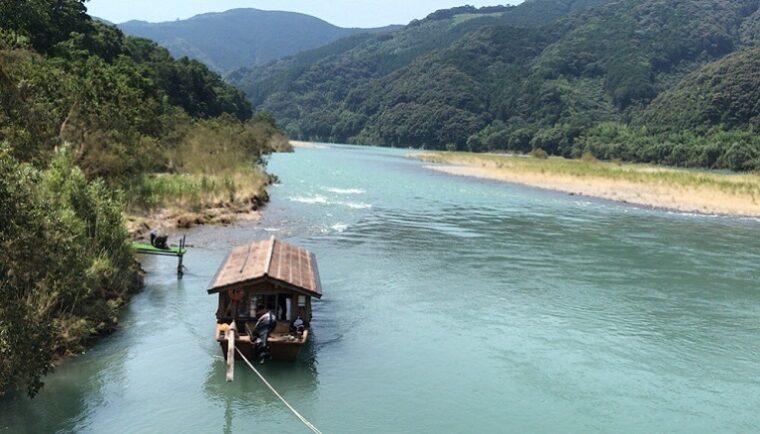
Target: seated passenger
<point>298,326</point>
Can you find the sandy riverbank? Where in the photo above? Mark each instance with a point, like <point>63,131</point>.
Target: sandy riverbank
<point>307,145</point>
<point>651,186</point>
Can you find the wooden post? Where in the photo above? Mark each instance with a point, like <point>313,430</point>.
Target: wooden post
<point>231,334</point>
<point>180,268</point>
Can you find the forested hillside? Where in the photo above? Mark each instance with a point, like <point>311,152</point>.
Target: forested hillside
<point>327,74</point>
<point>723,93</point>
<point>90,119</point>
<point>556,75</point>
<point>241,37</point>
<point>305,90</point>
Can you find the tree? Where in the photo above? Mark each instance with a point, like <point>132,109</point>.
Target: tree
<point>65,265</point>
<point>25,337</point>
<point>44,22</point>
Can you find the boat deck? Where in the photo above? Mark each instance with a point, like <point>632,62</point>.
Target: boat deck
<point>281,337</point>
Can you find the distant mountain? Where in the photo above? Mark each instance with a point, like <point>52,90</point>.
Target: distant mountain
<point>643,80</point>
<point>242,37</point>
<point>336,92</point>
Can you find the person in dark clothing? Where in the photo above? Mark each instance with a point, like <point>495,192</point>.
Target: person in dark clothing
<point>162,242</point>
<point>265,324</point>
<point>159,241</point>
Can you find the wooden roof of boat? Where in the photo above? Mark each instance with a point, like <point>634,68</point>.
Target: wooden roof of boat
<point>269,260</point>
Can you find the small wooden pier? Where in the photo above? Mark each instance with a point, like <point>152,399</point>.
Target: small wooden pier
<point>174,251</point>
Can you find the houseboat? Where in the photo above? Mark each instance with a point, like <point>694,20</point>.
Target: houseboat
<point>281,277</point>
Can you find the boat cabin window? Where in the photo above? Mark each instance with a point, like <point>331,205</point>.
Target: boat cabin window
<point>270,301</point>
<point>287,306</point>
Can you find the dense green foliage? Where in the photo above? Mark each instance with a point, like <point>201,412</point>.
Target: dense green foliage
<point>112,97</point>
<point>85,111</point>
<point>41,22</point>
<point>65,265</point>
<point>213,161</point>
<point>241,37</point>
<point>709,119</point>
<point>725,93</point>
<point>737,149</point>
<point>508,79</point>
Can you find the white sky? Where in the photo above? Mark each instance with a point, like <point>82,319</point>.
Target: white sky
<point>344,13</point>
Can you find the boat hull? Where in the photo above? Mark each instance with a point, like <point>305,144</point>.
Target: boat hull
<point>281,350</point>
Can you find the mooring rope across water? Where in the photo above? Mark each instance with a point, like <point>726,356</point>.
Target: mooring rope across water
<point>290,407</point>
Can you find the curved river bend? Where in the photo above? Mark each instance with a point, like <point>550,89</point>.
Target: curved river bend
<point>451,305</point>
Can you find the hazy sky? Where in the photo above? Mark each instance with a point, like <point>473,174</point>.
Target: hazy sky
<point>344,13</point>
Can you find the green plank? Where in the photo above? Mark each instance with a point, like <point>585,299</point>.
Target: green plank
<point>149,249</point>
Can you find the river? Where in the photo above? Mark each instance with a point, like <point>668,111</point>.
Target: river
<point>452,305</point>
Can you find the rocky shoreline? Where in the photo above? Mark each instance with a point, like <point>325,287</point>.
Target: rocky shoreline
<point>219,213</point>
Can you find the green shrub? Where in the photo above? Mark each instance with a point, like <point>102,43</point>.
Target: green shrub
<point>65,265</point>
<point>539,154</point>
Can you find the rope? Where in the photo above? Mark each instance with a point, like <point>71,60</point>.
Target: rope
<point>290,407</point>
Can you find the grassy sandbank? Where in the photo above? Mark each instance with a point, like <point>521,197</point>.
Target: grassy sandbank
<point>216,176</point>
<point>170,201</point>
<point>705,192</point>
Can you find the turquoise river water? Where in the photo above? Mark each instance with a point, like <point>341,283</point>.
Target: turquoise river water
<point>452,305</point>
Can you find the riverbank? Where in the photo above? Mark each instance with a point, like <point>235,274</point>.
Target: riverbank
<point>169,202</point>
<point>703,192</point>
<point>307,145</point>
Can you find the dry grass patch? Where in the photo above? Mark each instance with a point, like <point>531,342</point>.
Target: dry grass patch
<point>686,190</point>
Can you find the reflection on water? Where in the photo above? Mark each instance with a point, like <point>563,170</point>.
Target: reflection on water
<point>247,392</point>
<point>71,395</point>
<point>293,378</point>
<point>451,305</point>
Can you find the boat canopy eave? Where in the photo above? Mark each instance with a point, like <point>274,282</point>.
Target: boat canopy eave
<point>263,279</point>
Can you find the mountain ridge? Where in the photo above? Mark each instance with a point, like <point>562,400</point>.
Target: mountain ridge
<point>242,37</point>
<point>478,88</point>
